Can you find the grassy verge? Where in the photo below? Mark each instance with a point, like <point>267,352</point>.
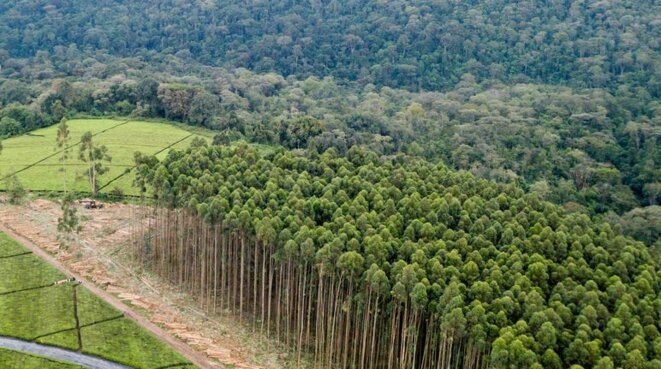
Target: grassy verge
<point>33,309</point>
<point>8,247</point>
<point>13,359</point>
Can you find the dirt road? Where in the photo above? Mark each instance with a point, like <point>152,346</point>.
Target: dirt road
<point>195,357</point>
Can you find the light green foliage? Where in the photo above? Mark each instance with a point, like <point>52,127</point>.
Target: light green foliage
<point>45,314</point>
<point>31,314</point>
<point>62,142</point>
<point>8,246</point>
<point>93,156</point>
<point>122,142</point>
<point>31,275</point>
<point>130,345</point>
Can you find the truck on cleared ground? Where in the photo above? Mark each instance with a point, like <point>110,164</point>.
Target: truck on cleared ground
<point>90,204</point>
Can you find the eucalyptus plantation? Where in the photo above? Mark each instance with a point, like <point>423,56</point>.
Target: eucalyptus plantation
<point>368,262</point>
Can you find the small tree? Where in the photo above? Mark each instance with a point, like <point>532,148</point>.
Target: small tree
<point>69,223</point>
<point>62,143</point>
<point>15,190</point>
<point>144,165</point>
<point>94,156</point>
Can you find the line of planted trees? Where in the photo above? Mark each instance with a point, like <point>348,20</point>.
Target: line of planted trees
<point>366,263</point>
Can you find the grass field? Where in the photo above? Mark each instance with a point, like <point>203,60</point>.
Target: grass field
<point>35,159</point>
<point>13,359</point>
<point>33,309</point>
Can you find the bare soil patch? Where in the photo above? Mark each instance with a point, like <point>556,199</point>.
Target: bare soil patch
<point>99,254</point>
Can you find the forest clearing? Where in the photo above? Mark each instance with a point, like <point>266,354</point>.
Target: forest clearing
<point>36,161</point>
<point>98,256</point>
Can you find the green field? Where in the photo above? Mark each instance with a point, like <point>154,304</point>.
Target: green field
<point>13,359</point>
<point>35,159</point>
<point>34,310</point>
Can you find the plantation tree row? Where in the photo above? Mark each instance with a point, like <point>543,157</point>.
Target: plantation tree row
<point>367,262</point>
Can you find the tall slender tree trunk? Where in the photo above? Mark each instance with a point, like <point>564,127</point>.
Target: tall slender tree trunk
<point>243,245</point>
<point>264,303</point>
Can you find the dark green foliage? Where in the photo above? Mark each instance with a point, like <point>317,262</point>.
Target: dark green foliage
<point>589,150</point>
<point>557,98</point>
<point>466,272</point>
<point>560,97</point>
<point>424,44</point>
<point>62,142</point>
<point>641,223</point>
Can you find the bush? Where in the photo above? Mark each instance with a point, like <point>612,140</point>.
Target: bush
<point>15,190</point>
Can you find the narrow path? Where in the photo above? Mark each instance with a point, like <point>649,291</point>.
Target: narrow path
<point>195,357</point>
<point>57,353</point>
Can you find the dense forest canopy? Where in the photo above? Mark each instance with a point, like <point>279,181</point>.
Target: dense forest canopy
<point>588,149</point>
<point>437,174</point>
<point>558,96</point>
<point>397,263</point>
<point>417,44</point>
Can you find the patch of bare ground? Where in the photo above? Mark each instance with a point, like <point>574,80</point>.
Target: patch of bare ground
<point>99,254</point>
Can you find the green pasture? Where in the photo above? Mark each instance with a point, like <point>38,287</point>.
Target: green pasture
<point>36,161</point>
<point>13,359</point>
<point>34,310</point>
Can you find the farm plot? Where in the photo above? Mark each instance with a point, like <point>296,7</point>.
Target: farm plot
<point>37,305</point>
<point>34,158</point>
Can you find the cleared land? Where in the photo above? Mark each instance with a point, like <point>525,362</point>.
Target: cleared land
<point>99,256</point>
<point>33,308</point>
<point>35,160</point>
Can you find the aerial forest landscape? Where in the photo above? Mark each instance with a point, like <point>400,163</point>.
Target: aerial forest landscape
<point>330,184</point>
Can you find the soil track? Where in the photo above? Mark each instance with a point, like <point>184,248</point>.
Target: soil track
<point>95,259</point>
